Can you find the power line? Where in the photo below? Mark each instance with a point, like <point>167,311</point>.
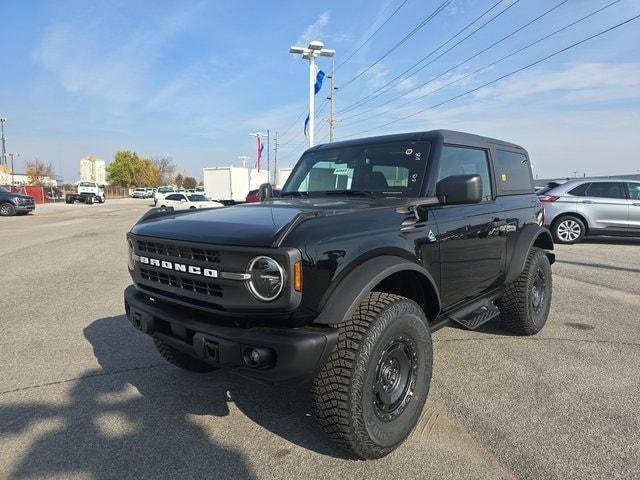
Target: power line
<point>468,59</point>
<point>372,35</point>
<point>485,67</point>
<point>415,30</point>
<point>502,77</point>
<point>459,32</point>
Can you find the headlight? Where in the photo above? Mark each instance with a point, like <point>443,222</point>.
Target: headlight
<point>131,256</point>
<point>18,200</point>
<point>266,278</point>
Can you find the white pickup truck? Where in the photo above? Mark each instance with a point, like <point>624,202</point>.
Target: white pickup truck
<point>88,192</point>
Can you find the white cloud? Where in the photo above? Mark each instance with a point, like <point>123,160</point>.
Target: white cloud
<point>315,30</point>
<point>86,59</point>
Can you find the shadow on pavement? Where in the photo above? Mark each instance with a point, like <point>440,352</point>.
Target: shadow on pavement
<point>612,240</point>
<point>138,417</point>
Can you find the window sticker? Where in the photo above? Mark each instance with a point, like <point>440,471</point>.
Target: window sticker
<point>503,177</point>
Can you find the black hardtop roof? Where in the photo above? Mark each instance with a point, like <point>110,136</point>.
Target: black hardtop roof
<point>447,136</point>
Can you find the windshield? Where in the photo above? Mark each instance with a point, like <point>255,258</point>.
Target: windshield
<point>394,169</point>
<point>198,198</point>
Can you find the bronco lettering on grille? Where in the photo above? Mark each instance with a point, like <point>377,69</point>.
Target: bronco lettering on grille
<point>178,267</point>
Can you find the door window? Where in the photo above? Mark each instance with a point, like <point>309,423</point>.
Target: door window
<point>605,190</point>
<point>634,190</point>
<point>466,161</point>
<point>174,197</point>
<point>580,190</point>
<point>514,175</point>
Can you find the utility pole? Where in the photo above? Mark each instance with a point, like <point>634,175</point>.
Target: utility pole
<point>12,178</point>
<point>331,98</point>
<point>268,157</point>
<point>3,159</point>
<point>315,48</point>
<point>275,160</point>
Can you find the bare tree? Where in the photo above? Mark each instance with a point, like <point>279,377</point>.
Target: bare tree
<point>166,167</point>
<point>39,173</point>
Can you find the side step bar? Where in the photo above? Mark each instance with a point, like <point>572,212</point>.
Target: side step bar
<point>471,316</point>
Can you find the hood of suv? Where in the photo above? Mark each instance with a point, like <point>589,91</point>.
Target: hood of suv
<point>254,225</point>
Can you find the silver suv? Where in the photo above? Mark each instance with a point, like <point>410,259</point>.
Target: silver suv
<point>592,206</point>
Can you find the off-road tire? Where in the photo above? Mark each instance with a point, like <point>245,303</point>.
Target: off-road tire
<point>517,312</point>
<point>566,220</point>
<point>180,359</point>
<point>343,391</point>
<point>7,210</point>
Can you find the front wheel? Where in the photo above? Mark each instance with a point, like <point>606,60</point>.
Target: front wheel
<point>370,392</point>
<point>7,210</point>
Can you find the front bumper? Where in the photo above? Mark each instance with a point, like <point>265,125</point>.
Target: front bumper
<point>290,353</point>
<point>25,208</point>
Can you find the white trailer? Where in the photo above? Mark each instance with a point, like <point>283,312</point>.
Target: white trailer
<point>283,175</point>
<point>231,184</point>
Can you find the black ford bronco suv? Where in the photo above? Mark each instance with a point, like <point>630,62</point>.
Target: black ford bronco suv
<point>372,245</point>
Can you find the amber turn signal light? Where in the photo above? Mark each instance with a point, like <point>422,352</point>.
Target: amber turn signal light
<point>297,276</point>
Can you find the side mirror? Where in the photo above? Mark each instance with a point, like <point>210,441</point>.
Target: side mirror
<point>265,191</point>
<point>459,189</point>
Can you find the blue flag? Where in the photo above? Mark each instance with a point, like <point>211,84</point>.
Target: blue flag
<point>316,88</point>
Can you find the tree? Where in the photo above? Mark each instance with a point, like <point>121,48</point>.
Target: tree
<point>189,183</point>
<point>124,167</point>
<point>148,174</point>
<point>166,168</point>
<point>178,180</point>
<point>39,173</point>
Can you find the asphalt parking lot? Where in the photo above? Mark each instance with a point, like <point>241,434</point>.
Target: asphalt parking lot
<point>83,395</point>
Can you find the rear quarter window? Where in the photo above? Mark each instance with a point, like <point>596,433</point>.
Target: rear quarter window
<point>513,172</point>
<point>580,190</point>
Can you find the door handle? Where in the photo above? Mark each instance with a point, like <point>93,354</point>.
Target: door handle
<point>587,201</point>
<point>636,204</point>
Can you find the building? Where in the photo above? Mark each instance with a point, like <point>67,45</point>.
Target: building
<point>93,169</point>
<point>22,179</point>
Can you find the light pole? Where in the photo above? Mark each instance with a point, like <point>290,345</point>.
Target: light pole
<point>315,48</point>
<point>243,159</point>
<point>3,159</point>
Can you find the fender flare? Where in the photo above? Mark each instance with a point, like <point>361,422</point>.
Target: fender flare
<point>351,290</point>
<point>529,236</point>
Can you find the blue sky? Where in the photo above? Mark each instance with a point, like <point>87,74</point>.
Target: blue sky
<point>191,79</point>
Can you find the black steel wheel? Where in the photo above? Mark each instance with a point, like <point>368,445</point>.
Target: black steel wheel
<point>525,305</point>
<point>369,394</point>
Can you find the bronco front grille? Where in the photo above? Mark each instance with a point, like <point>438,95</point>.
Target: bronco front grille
<point>188,284</point>
<point>178,251</point>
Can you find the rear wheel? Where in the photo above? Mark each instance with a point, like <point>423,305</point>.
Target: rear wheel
<point>568,229</point>
<point>370,392</point>
<point>180,359</point>
<point>7,210</point>
<point>525,305</point>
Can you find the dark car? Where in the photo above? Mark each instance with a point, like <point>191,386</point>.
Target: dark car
<point>15,203</point>
<point>372,246</point>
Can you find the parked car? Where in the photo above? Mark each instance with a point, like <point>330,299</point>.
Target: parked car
<point>254,195</point>
<point>12,203</point>
<point>139,193</point>
<point>373,244</point>
<point>161,192</point>
<point>182,201</point>
<point>592,207</point>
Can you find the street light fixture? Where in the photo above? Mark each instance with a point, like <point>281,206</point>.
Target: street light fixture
<point>315,49</point>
